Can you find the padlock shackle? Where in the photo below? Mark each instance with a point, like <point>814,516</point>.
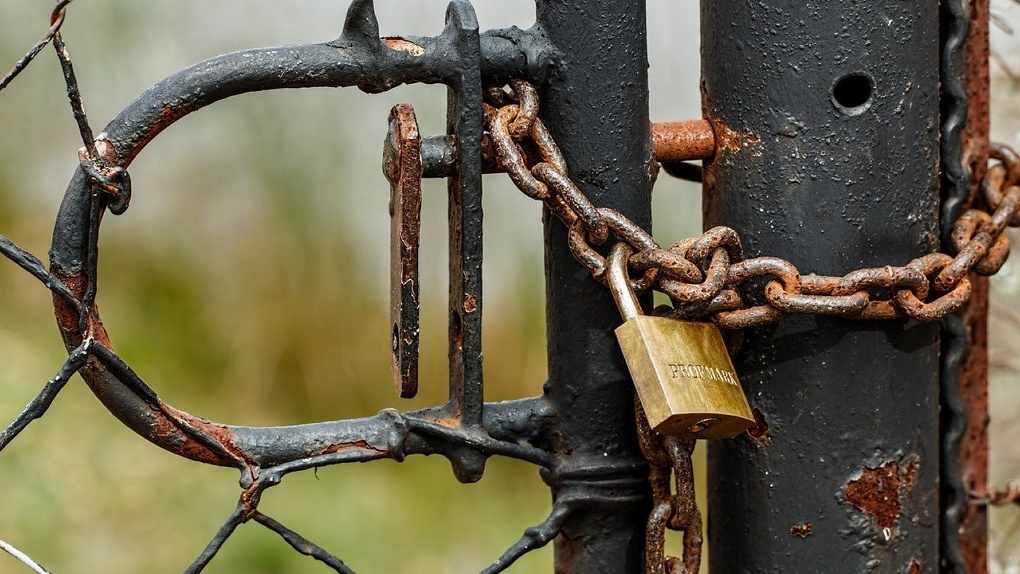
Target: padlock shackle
<point>619,282</point>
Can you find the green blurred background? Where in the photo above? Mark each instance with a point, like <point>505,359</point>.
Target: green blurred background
<point>248,284</point>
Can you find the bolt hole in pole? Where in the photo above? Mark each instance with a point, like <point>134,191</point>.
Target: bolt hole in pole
<point>851,94</point>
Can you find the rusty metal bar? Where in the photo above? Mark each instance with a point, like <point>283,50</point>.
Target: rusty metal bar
<point>602,48</point>
<point>684,140</point>
<point>672,142</point>
<point>972,528</point>
<point>828,147</point>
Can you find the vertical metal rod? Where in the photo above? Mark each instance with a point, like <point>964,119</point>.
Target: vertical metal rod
<point>465,212</point>
<point>973,528</point>
<point>596,106</point>
<point>827,116</point>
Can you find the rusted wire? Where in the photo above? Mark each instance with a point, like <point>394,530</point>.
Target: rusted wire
<point>700,283</point>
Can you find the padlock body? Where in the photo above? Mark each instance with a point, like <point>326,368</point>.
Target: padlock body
<point>684,377</point>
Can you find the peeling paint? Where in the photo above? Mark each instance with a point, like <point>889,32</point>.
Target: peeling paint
<point>878,492</point>
<point>402,45</point>
<point>802,530</point>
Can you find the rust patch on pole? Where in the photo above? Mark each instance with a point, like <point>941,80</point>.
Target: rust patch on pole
<point>877,491</point>
<point>803,530</point>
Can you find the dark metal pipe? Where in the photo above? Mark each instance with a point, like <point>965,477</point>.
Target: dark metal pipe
<point>596,106</point>
<point>827,116</point>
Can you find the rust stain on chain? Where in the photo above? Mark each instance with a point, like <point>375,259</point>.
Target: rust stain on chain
<point>877,491</point>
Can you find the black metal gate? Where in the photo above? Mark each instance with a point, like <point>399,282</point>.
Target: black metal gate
<point>848,139</point>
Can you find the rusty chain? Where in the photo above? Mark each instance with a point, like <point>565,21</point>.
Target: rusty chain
<point>674,510</point>
<point>707,277</point>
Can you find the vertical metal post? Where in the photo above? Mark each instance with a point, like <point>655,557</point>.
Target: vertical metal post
<point>827,115</point>
<point>969,553</point>
<point>596,107</point>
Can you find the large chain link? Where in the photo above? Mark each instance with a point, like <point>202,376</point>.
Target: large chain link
<point>704,276</point>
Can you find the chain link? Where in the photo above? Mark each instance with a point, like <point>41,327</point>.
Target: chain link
<point>707,276</point>
<point>677,510</point>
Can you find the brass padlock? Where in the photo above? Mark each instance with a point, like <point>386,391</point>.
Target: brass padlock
<point>681,370</point>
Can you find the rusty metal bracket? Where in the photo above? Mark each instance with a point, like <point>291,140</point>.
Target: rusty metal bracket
<point>403,145</point>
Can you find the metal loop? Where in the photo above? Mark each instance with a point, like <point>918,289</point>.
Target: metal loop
<point>1010,161</point>
<point>726,300</point>
<point>115,182</point>
<point>846,305</point>
<point>713,239</point>
<point>694,293</point>
<point>967,226</point>
<point>748,318</point>
<point>781,269</point>
<point>927,312</point>
<point>951,274</point>
<point>673,264</point>
<point>584,253</point>
<point>995,258</point>
<point>509,157</point>
<point>527,98</point>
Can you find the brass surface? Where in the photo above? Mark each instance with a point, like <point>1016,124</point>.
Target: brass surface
<point>684,377</point>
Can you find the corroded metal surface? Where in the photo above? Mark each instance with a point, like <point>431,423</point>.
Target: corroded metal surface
<point>404,171</point>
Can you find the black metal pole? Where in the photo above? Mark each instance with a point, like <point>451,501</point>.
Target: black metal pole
<point>596,106</point>
<point>827,115</point>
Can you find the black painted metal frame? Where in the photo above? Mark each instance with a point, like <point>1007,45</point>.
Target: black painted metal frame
<point>581,432</point>
<point>828,151</point>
